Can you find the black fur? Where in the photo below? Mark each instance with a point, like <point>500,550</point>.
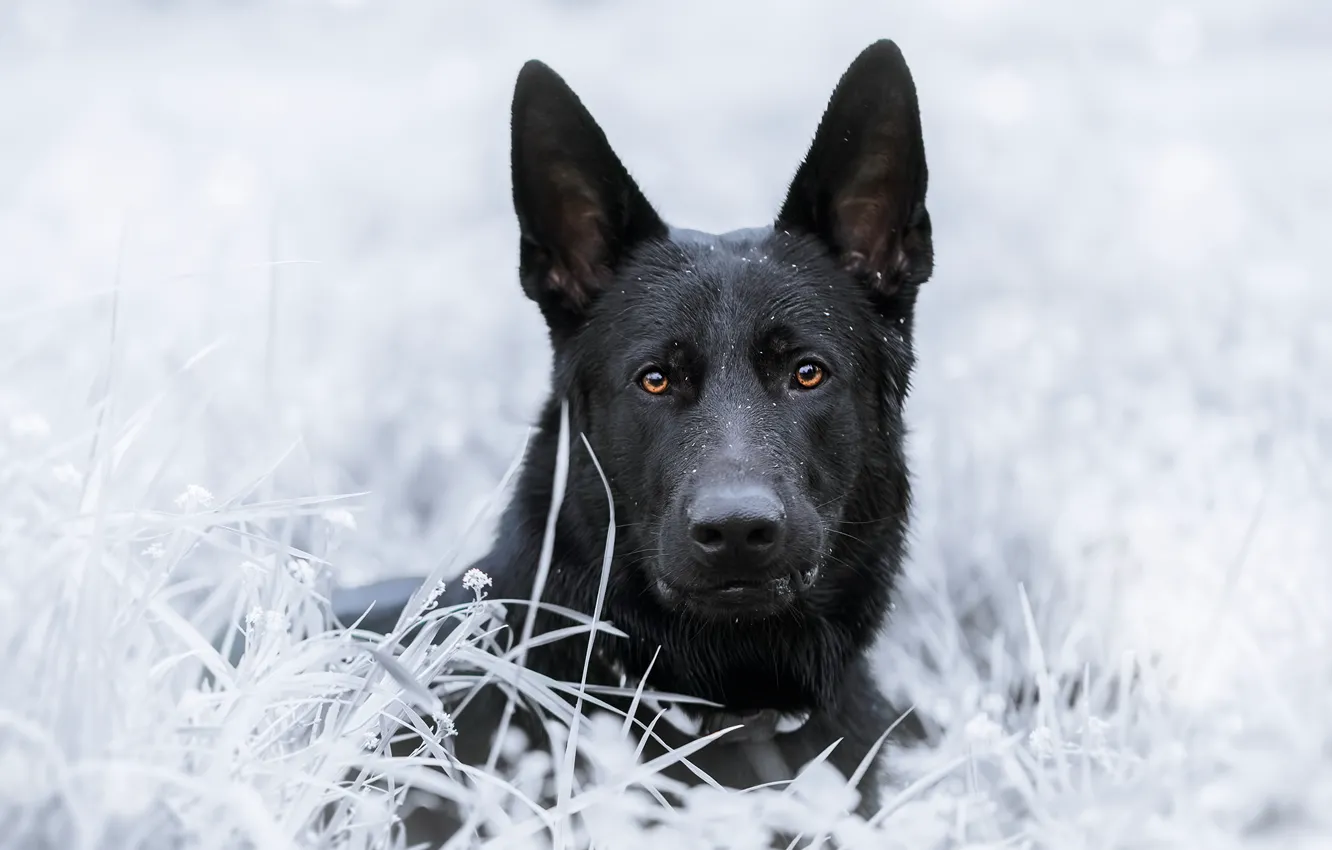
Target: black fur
<point>726,321</point>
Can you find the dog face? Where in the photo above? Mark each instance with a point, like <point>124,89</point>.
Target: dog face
<point>741,391</point>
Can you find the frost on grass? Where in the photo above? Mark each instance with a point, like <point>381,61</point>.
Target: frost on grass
<point>132,719</point>
<point>123,725</point>
<point>175,681</point>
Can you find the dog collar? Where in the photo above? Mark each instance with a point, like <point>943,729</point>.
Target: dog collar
<point>755,726</point>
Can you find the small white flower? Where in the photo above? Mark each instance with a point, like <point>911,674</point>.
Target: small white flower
<point>476,581</point>
<point>155,551</point>
<point>444,725</point>
<point>1041,741</point>
<point>371,741</point>
<point>342,517</point>
<point>982,731</point>
<point>193,496</point>
<point>259,620</point>
<point>67,474</point>
<point>303,571</point>
<point>433,598</point>
<point>29,425</point>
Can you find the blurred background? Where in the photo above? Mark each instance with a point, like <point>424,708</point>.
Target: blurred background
<point>285,226</point>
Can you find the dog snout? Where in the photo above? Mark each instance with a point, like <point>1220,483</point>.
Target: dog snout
<point>738,525</point>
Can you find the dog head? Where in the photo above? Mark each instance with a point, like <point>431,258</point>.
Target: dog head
<point>742,392</point>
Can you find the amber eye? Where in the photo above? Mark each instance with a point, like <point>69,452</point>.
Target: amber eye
<point>654,382</point>
<point>809,375</point>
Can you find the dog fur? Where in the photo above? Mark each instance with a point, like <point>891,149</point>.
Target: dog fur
<point>781,620</point>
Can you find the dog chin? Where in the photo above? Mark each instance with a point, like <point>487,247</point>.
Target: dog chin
<point>738,601</point>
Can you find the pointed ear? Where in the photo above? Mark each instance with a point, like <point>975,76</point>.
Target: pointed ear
<point>579,211</point>
<point>861,188</point>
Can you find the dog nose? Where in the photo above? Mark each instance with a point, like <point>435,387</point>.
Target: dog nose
<point>743,524</point>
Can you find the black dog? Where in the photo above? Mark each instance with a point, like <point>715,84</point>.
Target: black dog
<point>743,394</point>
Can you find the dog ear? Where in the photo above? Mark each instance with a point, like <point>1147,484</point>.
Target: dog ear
<point>578,209</point>
<point>861,188</point>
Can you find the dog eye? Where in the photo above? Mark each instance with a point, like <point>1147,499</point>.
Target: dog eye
<point>654,382</point>
<point>809,375</point>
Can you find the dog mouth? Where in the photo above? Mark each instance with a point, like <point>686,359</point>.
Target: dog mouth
<point>746,598</point>
<point>801,580</point>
